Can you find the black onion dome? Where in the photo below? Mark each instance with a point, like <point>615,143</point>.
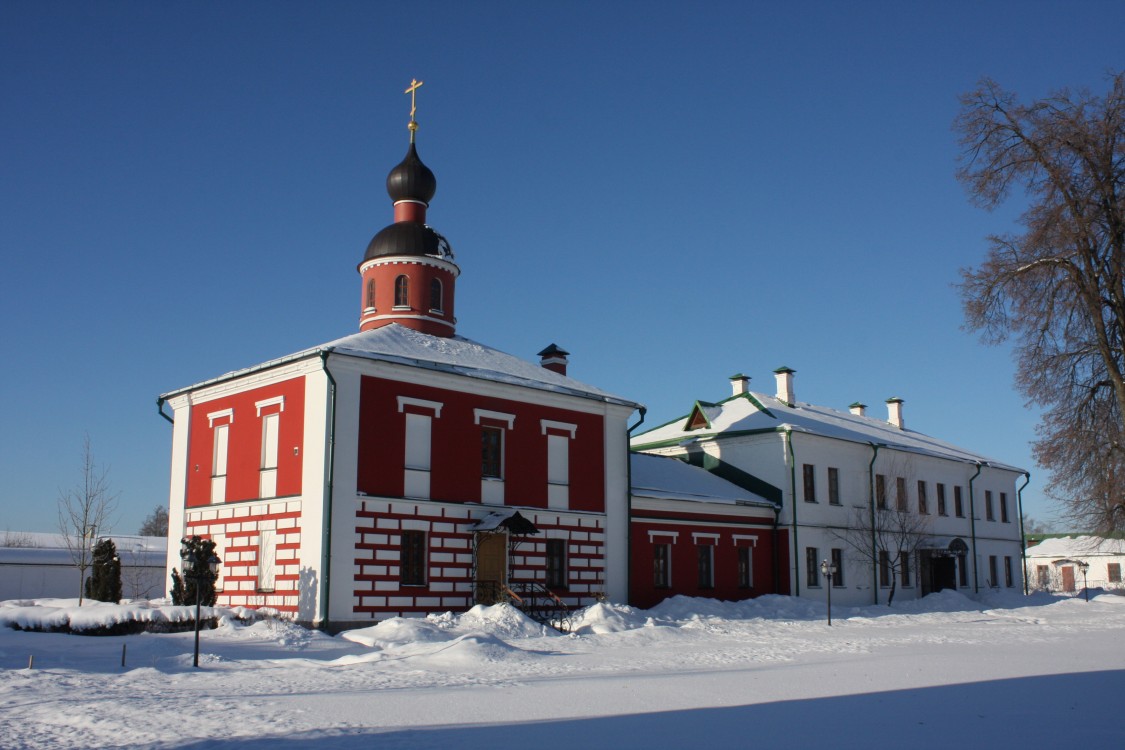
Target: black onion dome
<point>408,238</point>
<point>411,180</point>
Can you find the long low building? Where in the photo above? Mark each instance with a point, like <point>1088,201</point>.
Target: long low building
<point>40,566</point>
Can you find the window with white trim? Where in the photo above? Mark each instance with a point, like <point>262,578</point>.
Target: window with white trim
<point>419,440</point>
<point>745,567</point>
<point>402,291</point>
<point>219,464</point>
<point>436,296</point>
<point>558,462</point>
<point>705,556</point>
<point>267,559</point>
<point>662,566</point>
<point>267,480</point>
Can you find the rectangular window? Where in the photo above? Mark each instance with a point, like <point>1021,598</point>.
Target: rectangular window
<point>1004,507</point>
<point>661,566</point>
<point>412,558</point>
<point>988,514</point>
<point>491,452</point>
<point>810,483</point>
<point>881,491</point>
<point>267,480</point>
<point>993,581</point>
<point>923,504</point>
<point>1113,572</point>
<point>1043,576</point>
<point>418,432</point>
<point>556,563</point>
<point>812,567</point>
<point>833,486</point>
<point>267,559</point>
<point>904,566</point>
<point>958,504</point>
<point>884,568</point>
<point>705,554</point>
<point>1007,571</point>
<point>558,472</point>
<point>941,499</point>
<point>900,493</point>
<point>219,464</point>
<point>838,561</point>
<point>745,568</point>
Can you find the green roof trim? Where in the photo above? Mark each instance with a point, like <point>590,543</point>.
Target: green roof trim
<point>734,475</point>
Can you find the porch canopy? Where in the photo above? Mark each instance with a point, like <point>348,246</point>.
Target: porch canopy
<point>511,520</point>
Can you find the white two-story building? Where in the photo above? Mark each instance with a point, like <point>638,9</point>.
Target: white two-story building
<point>895,510</point>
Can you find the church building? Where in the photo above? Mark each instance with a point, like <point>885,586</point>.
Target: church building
<point>403,469</point>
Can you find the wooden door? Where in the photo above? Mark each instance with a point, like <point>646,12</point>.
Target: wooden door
<point>492,567</point>
<point>1068,578</point>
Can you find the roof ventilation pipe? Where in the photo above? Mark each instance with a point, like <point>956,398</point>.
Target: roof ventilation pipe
<point>554,358</point>
<point>894,412</point>
<point>785,385</point>
<point>858,409</point>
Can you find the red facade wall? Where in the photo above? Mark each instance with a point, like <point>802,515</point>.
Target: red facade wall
<point>245,443</point>
<point>646,532</point>
<point>455,473</point>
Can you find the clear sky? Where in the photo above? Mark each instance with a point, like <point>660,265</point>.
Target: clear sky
<point>673,192</point>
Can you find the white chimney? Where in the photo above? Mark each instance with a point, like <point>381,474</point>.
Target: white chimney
<point>785,385</point>
<point>858,409</point>
<point>739,384</point>
<point>894,412</point>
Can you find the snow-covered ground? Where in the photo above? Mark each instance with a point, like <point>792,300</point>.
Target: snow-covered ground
<point>1005,671</point>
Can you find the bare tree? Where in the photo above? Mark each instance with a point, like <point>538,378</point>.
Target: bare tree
<point>1057,288</point>
<point>17,539</point>
<point>157,522</point>
<point>85,511</point>
<point>891,547</point>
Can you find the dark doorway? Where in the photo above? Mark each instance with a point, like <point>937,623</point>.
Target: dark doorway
<point>943,573</point>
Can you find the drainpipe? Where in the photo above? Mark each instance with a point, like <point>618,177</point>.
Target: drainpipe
<point>788,432</point>
<point>629,507</point>
<point>1023,539</point>
<point>776,550</point>
<point>326,542</point>
<point>871,502</point>
<point>973,527</point>
<point>160,408</point>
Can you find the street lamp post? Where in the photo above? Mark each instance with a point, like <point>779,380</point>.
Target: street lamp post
<point>828,570</point>
<point>1084,566</point>
<point>191,573</point>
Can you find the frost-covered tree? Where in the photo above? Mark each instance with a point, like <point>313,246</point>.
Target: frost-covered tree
<point>156,524</point>
<point>183,585</point>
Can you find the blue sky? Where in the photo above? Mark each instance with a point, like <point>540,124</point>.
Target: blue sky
<point>672,192</point>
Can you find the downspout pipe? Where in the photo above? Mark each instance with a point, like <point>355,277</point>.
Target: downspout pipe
<point>796,566</point>
<point>160,409</point>
<point>871,502</point>
<point>629,506</point>
<point>1023,537</point>
<point>973,526</point>
<point>326,541</point>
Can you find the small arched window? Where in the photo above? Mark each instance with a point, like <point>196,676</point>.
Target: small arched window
<point>435,295</point>
<point>370,302</point>
<point>402,292</point>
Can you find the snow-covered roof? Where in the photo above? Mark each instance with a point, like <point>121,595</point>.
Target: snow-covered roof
<point>756,412</point>
<point>669,478</point>
<point>458,355</point>
<point>1077,546</point>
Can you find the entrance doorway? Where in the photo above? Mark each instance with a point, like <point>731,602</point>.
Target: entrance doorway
<point>1068,578</point>
<point>492,567</point>
<point>943,573</point>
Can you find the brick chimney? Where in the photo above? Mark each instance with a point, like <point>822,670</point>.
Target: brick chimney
<point>785,385</point>
<point>894,412</point>
<point>554,359</point>
<point>858,409</point>
<point>739,384</point>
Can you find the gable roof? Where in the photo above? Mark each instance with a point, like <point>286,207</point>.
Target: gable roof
<point>1077,547</point>
<point>456,355</point>
<point>664,477</point>
<point>750,413</point>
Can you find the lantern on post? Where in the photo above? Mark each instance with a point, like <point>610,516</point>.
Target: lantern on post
<point>828,570</point>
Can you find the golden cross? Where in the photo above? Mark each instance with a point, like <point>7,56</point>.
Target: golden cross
<point>415,84</point>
